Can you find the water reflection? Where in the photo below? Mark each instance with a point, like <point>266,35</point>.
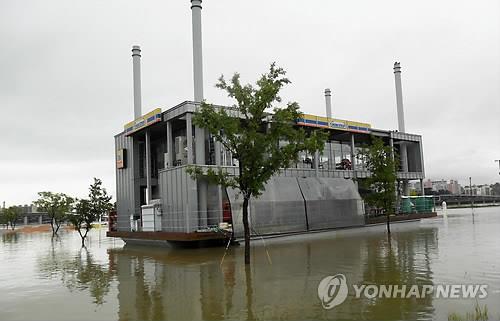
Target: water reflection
<point>173,284</point>
<point>10,237</point>
<point>403,260</point>
<point>78,271</point>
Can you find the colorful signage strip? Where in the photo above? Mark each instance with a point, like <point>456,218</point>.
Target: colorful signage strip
<point>332,123</point>
<point>142,122</point>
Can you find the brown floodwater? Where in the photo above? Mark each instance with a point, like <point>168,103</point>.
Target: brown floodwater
<point>54,279</point>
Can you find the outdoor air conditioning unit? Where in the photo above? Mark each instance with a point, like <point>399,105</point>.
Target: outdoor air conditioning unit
<point>151,216</point>
<point>180,150</point>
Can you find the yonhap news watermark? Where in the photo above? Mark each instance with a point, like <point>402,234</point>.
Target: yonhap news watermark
<point>334,289</point>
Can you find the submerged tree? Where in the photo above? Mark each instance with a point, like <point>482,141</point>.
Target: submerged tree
<point>261,141</point>
<point>90,210</point>
<point>382,164</point>
<point>100,201</point>
<point>57,206</point>
<point>10,216</point>
<point>3,218</point>
<point>82,218</point>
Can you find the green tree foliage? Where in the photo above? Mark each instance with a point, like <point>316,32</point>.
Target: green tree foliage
<point>3,218</point>
<point>100,201</point>
<point>89,210</point>
<point>261,150</point>
<point>82,218</point>
<point>10,216</point>
<point>382,164</point>
<point>57,206</point>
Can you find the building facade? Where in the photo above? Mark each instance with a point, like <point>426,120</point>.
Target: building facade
<point>319,191</point>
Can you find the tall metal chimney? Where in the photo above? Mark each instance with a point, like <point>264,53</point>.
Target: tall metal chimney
<point>328,100</point>
<point>401,123</point>
<point>136,60</point>
<point>399,97</point>
<point>201,134</point>
<point>197,50</point>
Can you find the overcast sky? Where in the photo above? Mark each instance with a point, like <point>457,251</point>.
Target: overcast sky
<point>66,75</point>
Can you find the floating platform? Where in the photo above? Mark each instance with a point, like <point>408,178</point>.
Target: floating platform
<point>399,218</point>
<point>176,238</point>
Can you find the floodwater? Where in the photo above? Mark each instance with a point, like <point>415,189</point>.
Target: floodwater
<point>53,279</point>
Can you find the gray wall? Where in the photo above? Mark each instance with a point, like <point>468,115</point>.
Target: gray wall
<point>126,192</point>
<point>179,200</point>
<point>331,202</point>
<point>279,209</point>
<point>299,204</point>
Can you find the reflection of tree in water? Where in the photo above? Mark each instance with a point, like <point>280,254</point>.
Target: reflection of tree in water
<point>80,272</point>
<point>161,284</point>
<point>404,260</point>
<point>10,237</point>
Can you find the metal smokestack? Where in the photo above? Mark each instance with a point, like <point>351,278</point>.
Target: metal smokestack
<point>136,60</point>
<point>201,134</point>
<point>328,101</point>
<point>399,97</point>
<point>401,122</point>
<point>197,51</point>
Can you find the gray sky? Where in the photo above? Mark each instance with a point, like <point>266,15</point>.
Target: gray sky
<point>66,75</point>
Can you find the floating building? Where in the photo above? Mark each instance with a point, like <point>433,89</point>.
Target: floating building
<point>158,200</point>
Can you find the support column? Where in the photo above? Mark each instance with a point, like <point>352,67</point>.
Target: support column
<point>353,165</point>
<point>218,162</point>
<point>148,167</point>
<point>353,161</point>
<point>404,156</point>
<point>316,163</point>
<point>396,183</point>
<point>40,219</point>
<point>391,144</point>
<point>169,161</point>
<point>189,138</point>
<point>217,153</point>
<point>422,187</point>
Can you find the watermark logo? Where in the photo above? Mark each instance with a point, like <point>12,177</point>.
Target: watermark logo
<point>333,291</point>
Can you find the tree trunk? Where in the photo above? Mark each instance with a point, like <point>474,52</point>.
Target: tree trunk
<point>52,226</point>
<point>58,224</point>
<point>246,228</point>
<point>249,294</point>
<point>78,228</point>
<point>388,223</point>
<point>85,235</point>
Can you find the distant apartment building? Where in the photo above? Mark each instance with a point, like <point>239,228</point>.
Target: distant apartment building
<point>441,187</point>
<point>478,190</point>
<point>484,190</point>
<point>454,187</point>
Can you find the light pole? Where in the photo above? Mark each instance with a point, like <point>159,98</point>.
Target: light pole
<point>471,200</point>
